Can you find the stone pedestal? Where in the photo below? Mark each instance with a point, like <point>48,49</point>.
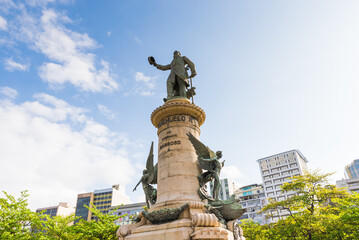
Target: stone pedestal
<point>177,181</point>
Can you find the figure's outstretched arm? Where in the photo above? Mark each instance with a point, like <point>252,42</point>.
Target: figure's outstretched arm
<point>208,160</point>
<point>163,67</point>
<point>137,184</point>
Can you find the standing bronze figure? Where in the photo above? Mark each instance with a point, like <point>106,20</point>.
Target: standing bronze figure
<point>177,81</point>
<point>149,177</point>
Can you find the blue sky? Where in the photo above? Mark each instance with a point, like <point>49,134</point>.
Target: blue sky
<point>76,90</point>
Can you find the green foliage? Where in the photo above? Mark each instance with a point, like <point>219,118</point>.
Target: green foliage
<point>19,222</point>
<point>318,211</point>
<point>103,228</point>
<point>15,217</point>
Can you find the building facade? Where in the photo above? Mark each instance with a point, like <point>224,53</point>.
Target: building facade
<point>63,209</point>
<point>225,191</point>
<point>252,199</point>
<point>352,170</point>
<point>103,199</point>
<point>278,169</point>
<point>127,212</point>
<point>351,181</point>
<point>351,184</point>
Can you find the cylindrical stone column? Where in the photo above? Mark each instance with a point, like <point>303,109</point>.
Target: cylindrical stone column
<point>178,169</point>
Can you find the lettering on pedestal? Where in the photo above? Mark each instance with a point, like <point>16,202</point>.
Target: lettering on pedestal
<point>170,143</point>
<point>169,136</point>
<point>178,118</point>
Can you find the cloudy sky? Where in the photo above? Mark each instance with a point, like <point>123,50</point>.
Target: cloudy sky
<point>76,90</point>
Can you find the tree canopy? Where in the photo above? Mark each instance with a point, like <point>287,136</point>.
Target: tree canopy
<point>317,210</point>
<point>17,221</point>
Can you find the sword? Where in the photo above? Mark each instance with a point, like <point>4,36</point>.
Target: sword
<point>187,68</point>
<point>191,88</point>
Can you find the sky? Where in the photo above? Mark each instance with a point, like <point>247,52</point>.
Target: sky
<point>77,92</point>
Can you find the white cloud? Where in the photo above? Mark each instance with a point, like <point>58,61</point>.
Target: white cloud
<point>106,112</point>
<point>9,92</point>
<point>109,33</point>
<point>69,59</point>
<point>233,173</point>
<point>71,62</point>
<point>56,151</point>
<point>3,23</point>
<point>145,84</point>
<point>11,65</point>
<point>39,2</point>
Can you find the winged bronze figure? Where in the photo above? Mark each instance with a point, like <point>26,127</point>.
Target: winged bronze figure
<point>149,177</point>
<point>209,161</point>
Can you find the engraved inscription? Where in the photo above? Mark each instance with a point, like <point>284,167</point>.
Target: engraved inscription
<point>177,142</point>
<point>177,118</point>
<point>173,135</point>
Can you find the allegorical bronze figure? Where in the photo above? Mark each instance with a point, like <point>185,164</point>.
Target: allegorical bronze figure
<point>177,81</point>
<point>149,177</point>
<point>208,160</point>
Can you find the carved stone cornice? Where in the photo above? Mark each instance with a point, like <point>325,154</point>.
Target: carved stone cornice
<point>177,106</point>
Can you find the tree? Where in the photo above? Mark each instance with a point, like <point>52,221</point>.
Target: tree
<point>103,228</point>
<point>314,209</point>
<point>17,221</point>
<point>15,217</point>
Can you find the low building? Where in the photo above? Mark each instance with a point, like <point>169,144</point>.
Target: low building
<point>351,184</point>
<point>127,212</point>
<point>63,209</point>
<point>252,199</point>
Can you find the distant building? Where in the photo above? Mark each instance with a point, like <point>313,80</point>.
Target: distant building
<point>351,184</point>
<point>226,189</point>
<point>103,199</point>
<point>131,210</point>
<point>351,173</point>
<point>278,169</point>
<point>252,199</point>
<point>352,170</point>
<point>63,209</point>
<point>83,200</point>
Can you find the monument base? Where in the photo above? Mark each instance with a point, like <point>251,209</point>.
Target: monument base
<point>193,224</point>
<point>178,230</point>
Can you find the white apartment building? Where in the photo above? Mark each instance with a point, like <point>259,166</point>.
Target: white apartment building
<point>276,170</point>
<point>252,199</point>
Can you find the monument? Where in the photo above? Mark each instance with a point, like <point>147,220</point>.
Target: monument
<point>181,208</point>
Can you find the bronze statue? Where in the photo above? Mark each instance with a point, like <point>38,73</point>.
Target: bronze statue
<point>208,160</point>
<point>177,81</point>
<point>149,177</point>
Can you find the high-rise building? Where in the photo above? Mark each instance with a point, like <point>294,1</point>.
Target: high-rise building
<point>352,170</point>
<point>225,191</point>
<point>132,210</point>
<point>351,173</point>
<point>63,209</point>
<point>103,199</point>
<point>83,200</point>
<point>252,199</point>
<point>278,169</point>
